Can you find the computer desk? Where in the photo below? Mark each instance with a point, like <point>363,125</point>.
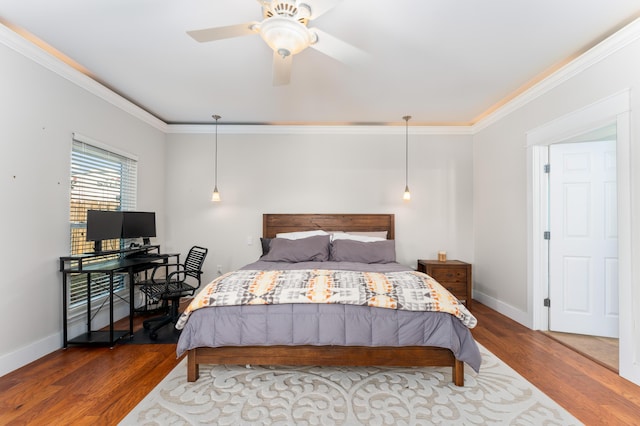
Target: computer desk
<point>127,261</point>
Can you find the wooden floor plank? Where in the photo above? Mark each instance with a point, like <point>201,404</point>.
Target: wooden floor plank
<point>591,392</point>
<point>101,385</point>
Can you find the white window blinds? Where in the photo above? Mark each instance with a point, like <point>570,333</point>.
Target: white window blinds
<point>101,179</point>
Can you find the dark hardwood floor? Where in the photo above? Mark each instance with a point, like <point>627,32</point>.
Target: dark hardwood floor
<point>100,385</point>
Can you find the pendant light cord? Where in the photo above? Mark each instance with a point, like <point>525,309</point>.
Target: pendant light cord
<point>215,185</point>
<point>406,118</point>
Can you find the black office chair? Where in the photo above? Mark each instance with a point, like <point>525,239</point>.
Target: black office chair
<point>181,282</point>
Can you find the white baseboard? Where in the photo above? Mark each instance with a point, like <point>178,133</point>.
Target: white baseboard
<point>505,309</point>
<point>23,356</point>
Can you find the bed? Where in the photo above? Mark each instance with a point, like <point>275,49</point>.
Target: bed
<point>327,334</point>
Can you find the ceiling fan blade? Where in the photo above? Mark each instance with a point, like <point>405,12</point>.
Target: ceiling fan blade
<point>219,33</point>
<point>320,7</point>
<point>281,69</point>
<point>338,49</point>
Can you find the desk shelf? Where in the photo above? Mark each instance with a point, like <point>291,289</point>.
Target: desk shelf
<point>99,338</point>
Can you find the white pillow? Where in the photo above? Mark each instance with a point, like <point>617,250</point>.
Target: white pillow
<point>301,234</point>
<point>362,238</point>
<point>332,233</point>
<point>379,234</point>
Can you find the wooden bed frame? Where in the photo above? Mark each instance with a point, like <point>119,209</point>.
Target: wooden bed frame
<point>406,356</point>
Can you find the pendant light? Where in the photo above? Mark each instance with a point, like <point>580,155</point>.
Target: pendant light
<point>407,194</point>
<point>215,197</point>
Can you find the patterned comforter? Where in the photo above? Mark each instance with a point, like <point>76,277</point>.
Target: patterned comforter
<point>406,290</point>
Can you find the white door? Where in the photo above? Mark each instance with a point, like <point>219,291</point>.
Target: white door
<point>583,254</point>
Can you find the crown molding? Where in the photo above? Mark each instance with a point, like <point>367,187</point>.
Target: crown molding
<point>317,130</point>
<point>596,54</point>
<point>40,56</point>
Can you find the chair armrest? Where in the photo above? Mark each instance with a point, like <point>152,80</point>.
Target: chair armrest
<point>163,266</point>
<point>184,272</point>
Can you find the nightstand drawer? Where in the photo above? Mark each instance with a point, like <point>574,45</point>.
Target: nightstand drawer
<point>449,275</point>
<point>458,289</point>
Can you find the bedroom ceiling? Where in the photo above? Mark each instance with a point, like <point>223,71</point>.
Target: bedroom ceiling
<point>445,62</point>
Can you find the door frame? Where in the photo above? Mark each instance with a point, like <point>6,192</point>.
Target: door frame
<point>610,110</point>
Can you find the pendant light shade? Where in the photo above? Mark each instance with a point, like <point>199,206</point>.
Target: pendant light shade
<point>407,193</point>
<point>215,197</point>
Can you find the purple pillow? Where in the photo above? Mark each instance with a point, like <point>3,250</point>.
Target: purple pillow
<point>310,249</point>
<point>363,252</point>
<point>265,242</point>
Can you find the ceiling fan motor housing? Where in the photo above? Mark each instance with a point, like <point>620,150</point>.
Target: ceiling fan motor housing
<point>288,9</point>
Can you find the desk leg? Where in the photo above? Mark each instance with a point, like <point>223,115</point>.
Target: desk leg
<point>131,307</point>
<point>65,338</point>
<point>111,342</point>
<point>89,305</point>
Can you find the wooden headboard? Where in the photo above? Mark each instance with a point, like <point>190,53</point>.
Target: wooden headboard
<point>276,223</point>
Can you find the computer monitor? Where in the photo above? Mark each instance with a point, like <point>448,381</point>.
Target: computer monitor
<point>139,225</point>
<point>103,225</point>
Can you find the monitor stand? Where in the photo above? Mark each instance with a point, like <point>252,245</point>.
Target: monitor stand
<point>97,246</point>
<point>146,242</point>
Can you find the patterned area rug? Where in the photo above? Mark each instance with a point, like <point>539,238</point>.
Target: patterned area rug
<point>237,395</point>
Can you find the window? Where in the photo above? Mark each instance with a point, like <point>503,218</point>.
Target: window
<point>101,179</point>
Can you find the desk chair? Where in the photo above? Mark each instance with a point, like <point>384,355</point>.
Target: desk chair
<point>181,282</point>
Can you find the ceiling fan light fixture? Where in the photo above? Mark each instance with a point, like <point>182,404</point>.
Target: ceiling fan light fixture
<point>284,53</point>
<point>285,35</point>
<point>284,29</point>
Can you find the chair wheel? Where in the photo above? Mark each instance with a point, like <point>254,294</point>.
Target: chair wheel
<point>153,335</point>
<point>146,326</point>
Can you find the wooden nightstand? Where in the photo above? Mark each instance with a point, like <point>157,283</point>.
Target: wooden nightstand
<point>454,275</point>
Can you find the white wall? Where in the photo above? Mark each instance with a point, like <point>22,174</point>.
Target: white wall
<point>40,110</point>
<point>335,172</point>
<point>501,201</point>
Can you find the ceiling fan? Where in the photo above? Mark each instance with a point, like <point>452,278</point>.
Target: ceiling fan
<point>284,29</point>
